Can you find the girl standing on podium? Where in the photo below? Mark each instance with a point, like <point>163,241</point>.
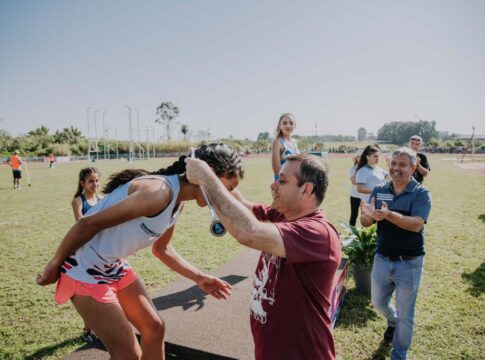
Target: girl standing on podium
<point>283,144</point>
<point>139,210</point>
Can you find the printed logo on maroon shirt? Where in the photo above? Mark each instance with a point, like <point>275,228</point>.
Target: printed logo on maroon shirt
<point>264,285</point>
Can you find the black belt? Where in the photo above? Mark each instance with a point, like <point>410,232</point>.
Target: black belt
<point>399,258</point>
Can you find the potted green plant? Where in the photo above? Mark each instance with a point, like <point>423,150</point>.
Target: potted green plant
<point>359,244</point>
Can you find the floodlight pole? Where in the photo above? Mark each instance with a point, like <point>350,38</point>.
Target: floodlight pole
<point>96,133</point>
<point>117,145</point>
<point>87,120</point>
<point>138,122</point>
<point>104,134</point>
<point>148,141</point>
<point>95,125</point>
<point>130,135</point>
<point>153,140</point>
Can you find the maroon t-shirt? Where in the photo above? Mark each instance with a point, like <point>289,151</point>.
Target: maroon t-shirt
<point>290,297</point>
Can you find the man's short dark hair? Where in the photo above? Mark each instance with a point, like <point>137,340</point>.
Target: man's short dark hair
<point>313,170</point>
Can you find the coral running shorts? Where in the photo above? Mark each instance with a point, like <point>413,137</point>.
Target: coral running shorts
<point>67,287</point>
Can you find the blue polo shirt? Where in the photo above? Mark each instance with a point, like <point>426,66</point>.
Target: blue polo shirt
<point>414,201</point>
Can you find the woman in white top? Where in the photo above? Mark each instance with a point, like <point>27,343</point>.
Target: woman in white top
<point>368,175</point>
<point>354,194</point>
<point>283,144</point>
<point>139,210</point>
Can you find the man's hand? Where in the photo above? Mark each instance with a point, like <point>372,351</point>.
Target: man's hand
<point>197,171</point>
<point>214,286</point>
<point>382,213</point>
<point>368,209</point>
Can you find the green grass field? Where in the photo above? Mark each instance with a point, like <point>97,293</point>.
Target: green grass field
<point>450,309</point>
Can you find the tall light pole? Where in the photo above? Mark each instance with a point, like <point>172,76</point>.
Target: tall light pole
<point>153,140</point>
<point>87,118</point>
<point>117,145</point>
<point>130,135</point>
<point>147,133</point>
<point>104,123</point>
<point>95,125</point>
<point>138,121</point>
<point>104,134</point>
<point>96,133</point>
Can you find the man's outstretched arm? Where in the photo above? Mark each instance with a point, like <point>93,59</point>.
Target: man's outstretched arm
<point>235,216</point>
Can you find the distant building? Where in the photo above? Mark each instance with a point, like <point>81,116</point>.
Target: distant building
<point>444,135</point>
<point>362,134</point>
<point>476,137</point>
<point>371,137</point>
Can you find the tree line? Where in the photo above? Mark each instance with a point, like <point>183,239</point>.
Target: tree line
<point>71,142</point>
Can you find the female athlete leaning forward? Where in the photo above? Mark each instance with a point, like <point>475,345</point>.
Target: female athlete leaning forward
<point>140,209</point>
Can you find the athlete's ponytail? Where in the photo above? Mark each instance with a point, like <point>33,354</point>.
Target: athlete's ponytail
<point>121,178</point>
<point>177,168</point>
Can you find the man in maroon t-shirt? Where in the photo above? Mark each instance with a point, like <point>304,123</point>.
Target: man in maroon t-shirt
<point>300,255</point>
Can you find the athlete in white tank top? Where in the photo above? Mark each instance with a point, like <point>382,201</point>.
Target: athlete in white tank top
<point>134,215</point>
<point>102,259</point>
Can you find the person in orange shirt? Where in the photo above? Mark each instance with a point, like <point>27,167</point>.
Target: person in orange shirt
<point>15,163</point>
<point>52,160</point>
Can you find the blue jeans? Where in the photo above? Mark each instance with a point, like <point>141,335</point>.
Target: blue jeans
<point>404,278</point>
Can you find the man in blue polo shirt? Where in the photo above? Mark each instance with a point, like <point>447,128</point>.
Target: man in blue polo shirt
<point>401,208</point>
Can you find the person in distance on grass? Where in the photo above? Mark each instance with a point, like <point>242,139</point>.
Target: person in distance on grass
<point>84,199</point>
<point>401,208</point>
<point>52,160</point>
<point>422,164</point>
<point>294,278</point>
<point>139,210</point>
<point>283,145</point>
<point>15,163</point>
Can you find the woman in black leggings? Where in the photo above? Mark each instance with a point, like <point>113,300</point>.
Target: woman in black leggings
<point>354,194</point>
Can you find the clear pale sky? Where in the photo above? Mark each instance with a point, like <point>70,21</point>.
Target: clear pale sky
<point>235,66</point>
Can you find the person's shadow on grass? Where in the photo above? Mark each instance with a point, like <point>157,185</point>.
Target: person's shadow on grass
<point>477,280</point>
<point>382,352</point>
<point>50,350</point>
<point>190,297</point>
<point>356,311</point>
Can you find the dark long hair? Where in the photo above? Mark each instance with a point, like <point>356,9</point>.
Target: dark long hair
<point>83,175</point>
<point>369,150</point>
<point>220,157</point>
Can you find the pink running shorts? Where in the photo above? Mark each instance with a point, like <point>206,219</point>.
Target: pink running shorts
<point>67,287</point>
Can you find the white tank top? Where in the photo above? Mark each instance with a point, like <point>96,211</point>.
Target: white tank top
<point>102,259</point>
